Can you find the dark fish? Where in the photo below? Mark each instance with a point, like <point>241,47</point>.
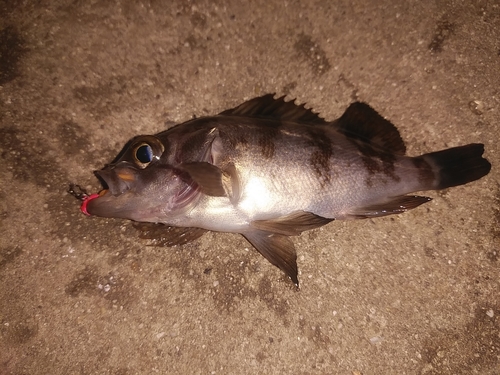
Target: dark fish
<point>270,169</point>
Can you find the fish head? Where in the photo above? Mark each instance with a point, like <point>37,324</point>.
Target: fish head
<point>141,185</point>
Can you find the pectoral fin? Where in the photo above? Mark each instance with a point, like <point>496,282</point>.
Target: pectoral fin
<point>277,249</point>
<point>214,181</point>
<point>207,176</point>
<point>163,235</point>
<point>293,224</point>
<point>397,205</point>
<point>232,183</point>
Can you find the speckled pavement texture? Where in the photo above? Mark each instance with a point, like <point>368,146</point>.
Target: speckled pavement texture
<point>417,293</point>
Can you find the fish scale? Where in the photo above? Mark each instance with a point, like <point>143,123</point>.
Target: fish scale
<point>270,169</point>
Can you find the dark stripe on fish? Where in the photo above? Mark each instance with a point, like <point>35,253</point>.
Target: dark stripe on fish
<point>196,146</point>
<point>320,159</point>
<point>425,174</point>
<point>376,161</point>
<point>235,139</point>
<point>266,141</point>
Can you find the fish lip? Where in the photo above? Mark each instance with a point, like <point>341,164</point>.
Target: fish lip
<point>99,204</point>
<point>104,204</point>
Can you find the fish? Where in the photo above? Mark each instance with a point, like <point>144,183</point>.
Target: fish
<point>270,169</point>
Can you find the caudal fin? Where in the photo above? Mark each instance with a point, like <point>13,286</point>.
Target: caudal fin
<point>458,165</point>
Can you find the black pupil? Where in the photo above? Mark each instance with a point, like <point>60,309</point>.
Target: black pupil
<point>144,154</point>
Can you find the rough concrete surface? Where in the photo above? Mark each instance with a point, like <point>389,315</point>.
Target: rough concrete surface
<point>416,293</point>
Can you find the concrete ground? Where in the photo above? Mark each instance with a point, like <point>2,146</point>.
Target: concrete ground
<point>416,293</point>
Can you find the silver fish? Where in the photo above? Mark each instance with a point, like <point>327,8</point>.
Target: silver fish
<point>270,169</point>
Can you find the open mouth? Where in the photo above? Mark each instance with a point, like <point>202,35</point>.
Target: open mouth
<point>117,181</point>
<point>88,198</point>
<point>104,178</point>
<point>113,183</point>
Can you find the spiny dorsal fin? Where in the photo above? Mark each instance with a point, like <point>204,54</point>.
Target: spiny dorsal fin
<point>268,107</point>
<point>362,122</point>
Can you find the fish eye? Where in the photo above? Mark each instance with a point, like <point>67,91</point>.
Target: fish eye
<point>143,150</point>
<point>144,154</point>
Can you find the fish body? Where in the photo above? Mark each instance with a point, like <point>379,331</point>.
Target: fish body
<point>269,169</point>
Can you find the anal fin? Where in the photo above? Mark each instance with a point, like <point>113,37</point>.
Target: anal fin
<point>397,205</point>
<point>292,224</point>
<point>277,249</point>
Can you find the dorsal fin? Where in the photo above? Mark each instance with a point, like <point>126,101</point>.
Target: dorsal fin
<point>268,107</point>
<point>362,122</point>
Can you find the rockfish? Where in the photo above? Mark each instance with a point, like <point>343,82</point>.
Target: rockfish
<point>270,169</point>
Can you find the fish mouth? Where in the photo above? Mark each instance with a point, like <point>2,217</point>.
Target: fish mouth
<point>111,201</point>
<point>114,181</point>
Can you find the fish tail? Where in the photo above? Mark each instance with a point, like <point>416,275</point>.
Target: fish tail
<point>458,165</point>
